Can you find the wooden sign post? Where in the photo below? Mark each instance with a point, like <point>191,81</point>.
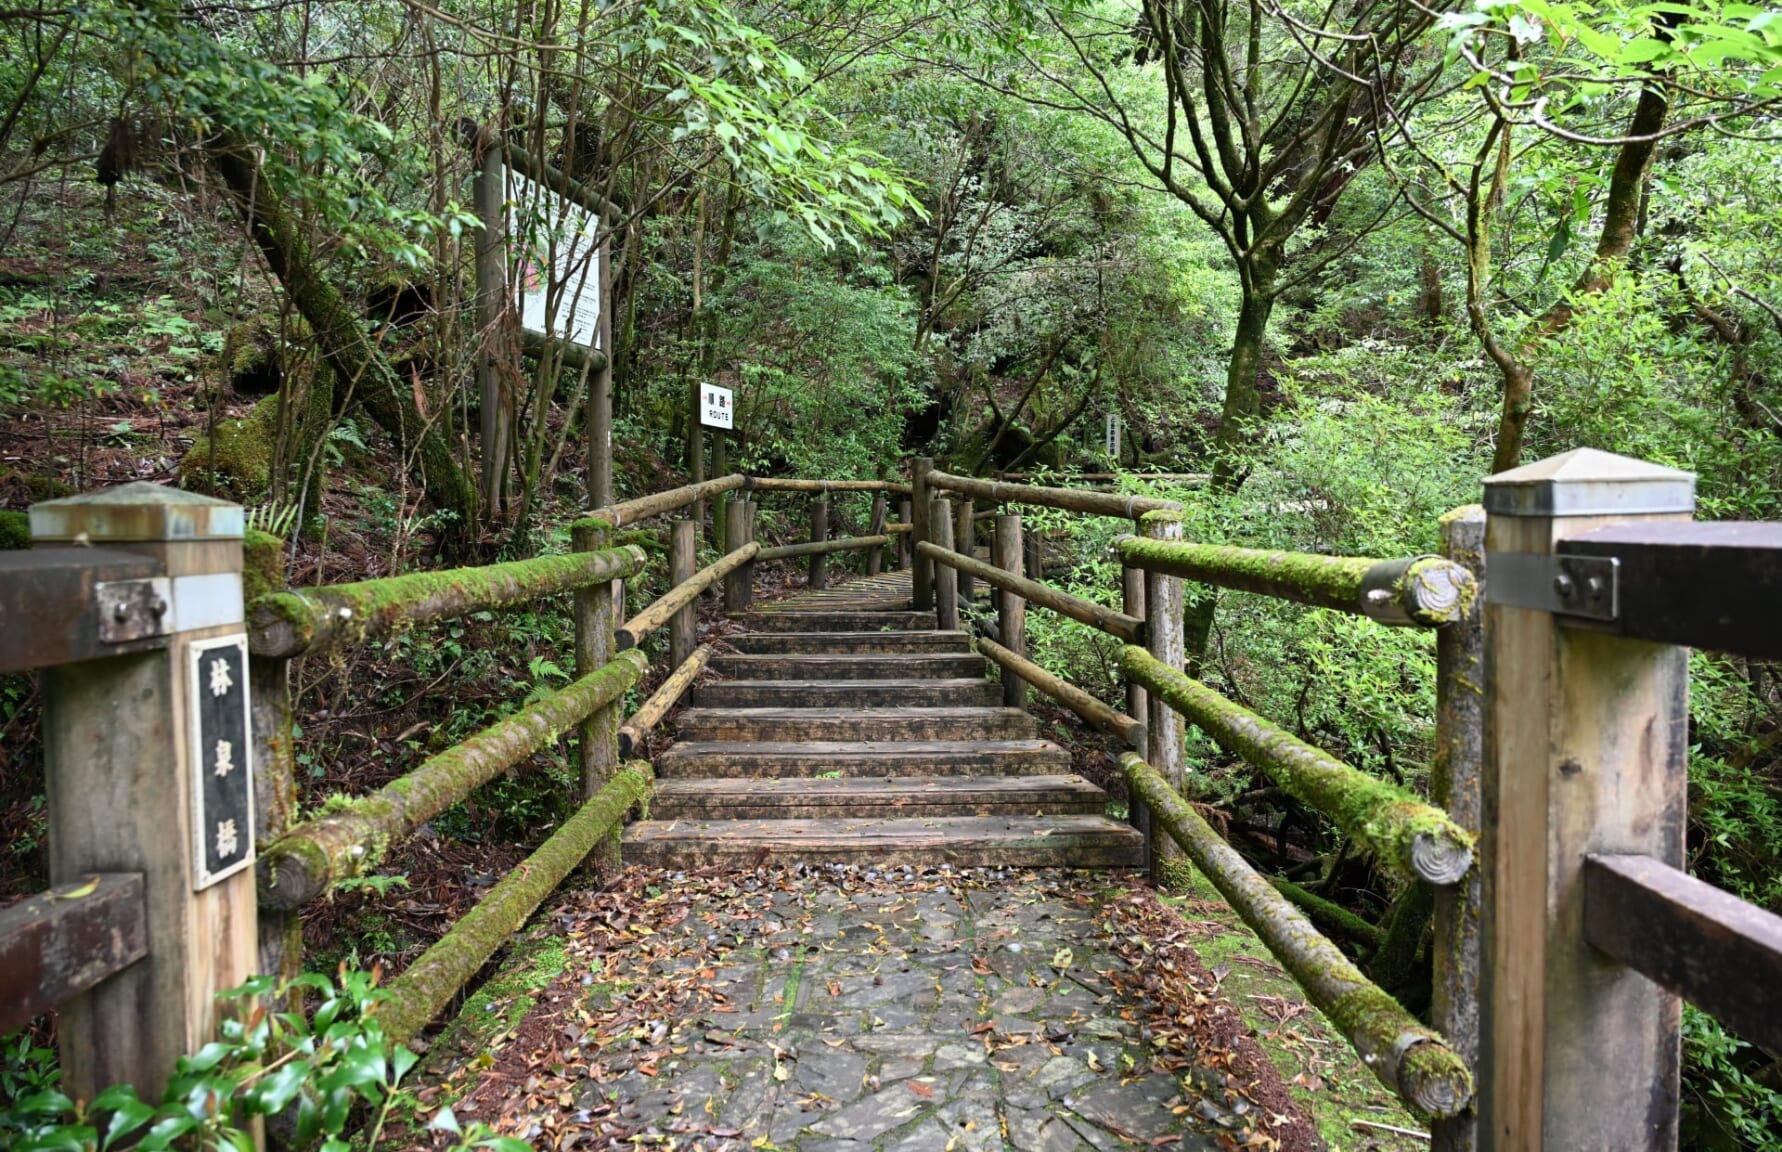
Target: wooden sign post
<point>1585,750</point>
<point>149,768</point>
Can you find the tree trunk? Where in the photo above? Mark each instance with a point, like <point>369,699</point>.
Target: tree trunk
<point>357,363</point>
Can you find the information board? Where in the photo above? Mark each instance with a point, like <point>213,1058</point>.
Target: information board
<point>537,217</point>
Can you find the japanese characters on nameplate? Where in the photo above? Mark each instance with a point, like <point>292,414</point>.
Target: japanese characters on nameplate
<point>717,407</point>
<point>222,760</point>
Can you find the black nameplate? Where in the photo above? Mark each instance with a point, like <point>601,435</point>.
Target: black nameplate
<point>222,760</point>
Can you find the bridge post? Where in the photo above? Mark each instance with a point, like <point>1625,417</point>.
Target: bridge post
<point>1011,609</point>
<point>965,540</point>
<point>275,752</point>
<point>875,558</point>
<point>819,564</point>
<point>921,567</point>
<point>1165,640</point>
<point>148,769</point>
<point>594,648</point>
<point>1454,785</point>
<point>946,589</point>
<point>739,529</point>
<point>1585,750</point>
<point>683,561</point>
<point>906,514</point>
<point>1132,603</point>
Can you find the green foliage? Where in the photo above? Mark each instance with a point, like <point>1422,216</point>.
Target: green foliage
<point>1729,1107</point>
<point>328,1073</point>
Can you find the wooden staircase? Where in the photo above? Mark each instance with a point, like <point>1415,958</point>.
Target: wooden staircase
<point>851,730</point>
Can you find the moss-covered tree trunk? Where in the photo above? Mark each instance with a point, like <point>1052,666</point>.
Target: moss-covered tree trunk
<point>357,364</point>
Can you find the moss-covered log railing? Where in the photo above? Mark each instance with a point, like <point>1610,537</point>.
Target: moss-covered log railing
<point>1098,616</point>
<point>1067,499</point>
<point>1410,1059</point>
<point>307,620</point>
<point>1418,840</point>
<point>664,698</point>
<point>305,862</point>
<point>1418,591</point>
<point>429,984</point>
<point>631,633</point>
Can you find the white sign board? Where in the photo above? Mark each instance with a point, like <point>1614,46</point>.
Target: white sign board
<point>717,408</point>
<point>548,232</point>
<point>1113,435</point>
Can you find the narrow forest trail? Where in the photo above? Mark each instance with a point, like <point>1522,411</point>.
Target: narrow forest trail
<point>871,911</point>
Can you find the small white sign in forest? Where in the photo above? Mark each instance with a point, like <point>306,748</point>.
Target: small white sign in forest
<point>717,407</point>
<point>548,232</point>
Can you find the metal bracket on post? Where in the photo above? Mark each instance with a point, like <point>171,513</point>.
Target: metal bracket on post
<point>1583,587</point>
<point>132,609</point>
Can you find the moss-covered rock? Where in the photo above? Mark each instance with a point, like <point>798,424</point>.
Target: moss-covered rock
<point>238,459</point>
<point>15,531</point>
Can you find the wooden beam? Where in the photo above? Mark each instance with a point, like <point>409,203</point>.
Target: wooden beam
<point>1069,499</point>
<point>633,731</point>
<point>1715,950</point>
<point>1011,609</point>
<point>64,941</point>
<point>51,613</point>
<point>1097,616</point>
<point>1100,716</point>
<point>683,561</point>
<point>813,547</point>
<point>632,632</point>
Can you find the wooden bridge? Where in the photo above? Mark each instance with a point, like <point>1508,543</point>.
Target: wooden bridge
<point>857,723</point>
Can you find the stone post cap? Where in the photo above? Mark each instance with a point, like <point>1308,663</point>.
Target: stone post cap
<point>138,511</point>
<point>1588,482</point>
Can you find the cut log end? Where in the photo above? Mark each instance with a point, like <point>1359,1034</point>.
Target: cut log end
<point>1437,858</point>
<point>286,883</point>
<point>1434,1080</point>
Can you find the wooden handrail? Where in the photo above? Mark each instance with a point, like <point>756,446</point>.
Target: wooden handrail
<point>1069,499</point>
<point>59,943</point>
<point>629,634</point>
<point>633,731</point>
<point>302,864</point>
<point>1099,716</point>
<point>428,985</point>
<point>631,511</point>
<point>1408,1058</point>
<point>1420,841</point>
<point>791,484</point>
<point>1098,616</point>
<point>823,547</point>
<point>1417,592</point>
<point>291,623</point>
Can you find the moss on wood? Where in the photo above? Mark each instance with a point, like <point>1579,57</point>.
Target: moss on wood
<point>1412,1060</point>
<point>301,865</point>
<point>1419,840</point>
<point>236,456</point>
<point>310,619</point>
<point>1328,915</point>
<point>416,997</point>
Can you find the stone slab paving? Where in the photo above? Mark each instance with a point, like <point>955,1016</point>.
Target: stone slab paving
<point>824,1009</point>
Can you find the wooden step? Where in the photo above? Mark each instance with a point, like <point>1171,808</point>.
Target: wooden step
<point>815,619</point>
<point>769,759</point>
<point>839,666</point>
<point>795,643</point>
<point>876,724</point>
<point>964,841</point>
<point>867,796</point>
<point>848,693</point>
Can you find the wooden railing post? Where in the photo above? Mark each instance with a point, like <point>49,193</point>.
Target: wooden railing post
<point>964,540</point>
<point>875,559</point>
<point>1164,640</point>
<point>1585,750</point>
<point>148,763</point>
<point>683,561</point>
<point>819,532</point>
<point>1132,603</point>
<point>921,567</point>
<point>905,543</point>
<point>946,589</point>
<point>1454,785</point>
<point>739,529</point>
<point>594,648</point>
<point>1011,609</point>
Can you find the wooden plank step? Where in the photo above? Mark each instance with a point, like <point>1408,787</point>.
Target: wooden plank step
<point>840,666</point>
<point>805,758</point>
<point>875,724</point>
<point>793,643</point>
<point>833,620</point>
<point>912,693</point>
<point>964,841</point>
<point>866,796</point>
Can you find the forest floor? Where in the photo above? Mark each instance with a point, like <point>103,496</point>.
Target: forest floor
<point>843,1009</point>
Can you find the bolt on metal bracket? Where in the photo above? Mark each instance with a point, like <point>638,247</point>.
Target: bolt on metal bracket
<point>1584,587</point>
<point>132,609</point>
